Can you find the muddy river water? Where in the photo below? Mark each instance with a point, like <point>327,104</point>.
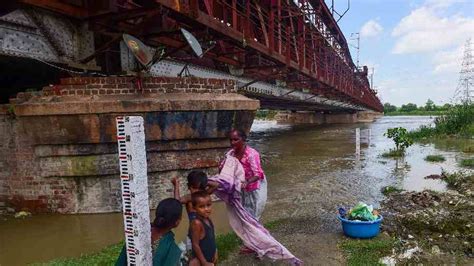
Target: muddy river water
<point>311,170</point>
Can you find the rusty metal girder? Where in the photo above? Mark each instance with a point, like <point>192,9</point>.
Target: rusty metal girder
<point>303,37</point>
<point>41,35</point>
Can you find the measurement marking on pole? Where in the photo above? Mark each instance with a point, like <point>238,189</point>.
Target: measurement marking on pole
<point>357,141</point>
<point>134,184</point>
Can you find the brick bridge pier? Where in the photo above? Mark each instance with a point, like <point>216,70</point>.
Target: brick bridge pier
<point>59,151</point>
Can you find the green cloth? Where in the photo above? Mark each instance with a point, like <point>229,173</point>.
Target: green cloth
<point>167,253</point>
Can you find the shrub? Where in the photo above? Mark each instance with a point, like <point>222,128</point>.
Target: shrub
<point>390,189</point>
<point>457,180</point>
<point>467,163</point>
<point>400,136</point>
<point>459,120</point>
<point>435,158</point>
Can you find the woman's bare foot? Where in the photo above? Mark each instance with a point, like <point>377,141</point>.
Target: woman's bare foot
<point>246,250</point>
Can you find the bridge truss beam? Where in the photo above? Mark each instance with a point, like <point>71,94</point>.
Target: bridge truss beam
<point>299,39</point>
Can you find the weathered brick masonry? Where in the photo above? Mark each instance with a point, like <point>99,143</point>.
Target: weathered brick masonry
<point>58,150</point>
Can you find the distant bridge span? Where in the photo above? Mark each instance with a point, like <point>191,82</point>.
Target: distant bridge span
<point>289,54</point>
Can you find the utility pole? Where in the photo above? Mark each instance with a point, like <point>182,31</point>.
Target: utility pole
<point>372,78</point>
<point>357,37</point>
<point>465,90</point>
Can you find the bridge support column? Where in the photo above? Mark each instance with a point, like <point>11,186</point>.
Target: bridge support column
<point>60,152</point>
<point>300,118</point>
<point>368,116</point>
<point>340,118</point>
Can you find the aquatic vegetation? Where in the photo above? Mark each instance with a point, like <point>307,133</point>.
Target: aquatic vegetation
<point>467,163</point>
<point>399,135</point>
<point>458,121</point>
<point>393,153</point>
<point>390,189</point>
<point>435,158</point>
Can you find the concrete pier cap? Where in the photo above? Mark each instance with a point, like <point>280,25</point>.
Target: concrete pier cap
<point>60,152</point>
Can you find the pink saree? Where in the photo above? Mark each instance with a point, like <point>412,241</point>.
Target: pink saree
<point>252,233</point>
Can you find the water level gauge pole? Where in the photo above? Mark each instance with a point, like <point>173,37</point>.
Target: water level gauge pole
<point>369,136</point>
<point>357,142</point>
<point>134,180</point>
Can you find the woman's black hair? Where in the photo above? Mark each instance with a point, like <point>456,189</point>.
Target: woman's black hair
<point>197,179</point>
<point>167,213</point>
<point>241,133</point>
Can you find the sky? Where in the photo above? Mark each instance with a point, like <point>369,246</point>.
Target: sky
<point>415,46</point>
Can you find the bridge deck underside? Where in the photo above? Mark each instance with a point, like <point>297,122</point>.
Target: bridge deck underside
<point>275,103</point>
<point>295,41</point>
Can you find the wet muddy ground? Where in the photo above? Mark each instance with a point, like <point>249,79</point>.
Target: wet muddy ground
<point>311,171</point>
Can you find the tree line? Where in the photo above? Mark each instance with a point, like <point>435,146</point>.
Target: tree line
<point>410,108</point>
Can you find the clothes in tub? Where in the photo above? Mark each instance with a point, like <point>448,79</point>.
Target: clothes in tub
<point>165,252</point>
<point>208,243</point>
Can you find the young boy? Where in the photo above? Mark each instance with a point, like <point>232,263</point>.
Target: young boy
<point>202,231</point>
<point>197,181</point>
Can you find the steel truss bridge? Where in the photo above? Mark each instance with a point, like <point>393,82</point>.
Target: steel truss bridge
<point>289,54</point>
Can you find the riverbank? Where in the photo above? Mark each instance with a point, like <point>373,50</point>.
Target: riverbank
<point>457,122</point>
<point>432,227</point>
<point>415,113</point>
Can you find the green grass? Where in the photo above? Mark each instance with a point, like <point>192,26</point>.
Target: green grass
<point>393,153</point>
<point>273,224</point>
<point>368,251</point>
<point>469,163</point>
<point>435,158</point>
<point>226,244</point>
<point>106,256</point>
<point>389,190</point>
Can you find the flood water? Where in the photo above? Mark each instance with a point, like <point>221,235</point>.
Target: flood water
<point>309,169</point>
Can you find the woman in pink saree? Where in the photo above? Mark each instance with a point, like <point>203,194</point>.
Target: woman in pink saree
<point>254,187</point>
<point>252,233</point>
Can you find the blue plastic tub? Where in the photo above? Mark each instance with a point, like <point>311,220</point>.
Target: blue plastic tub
<point>360,229</point>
